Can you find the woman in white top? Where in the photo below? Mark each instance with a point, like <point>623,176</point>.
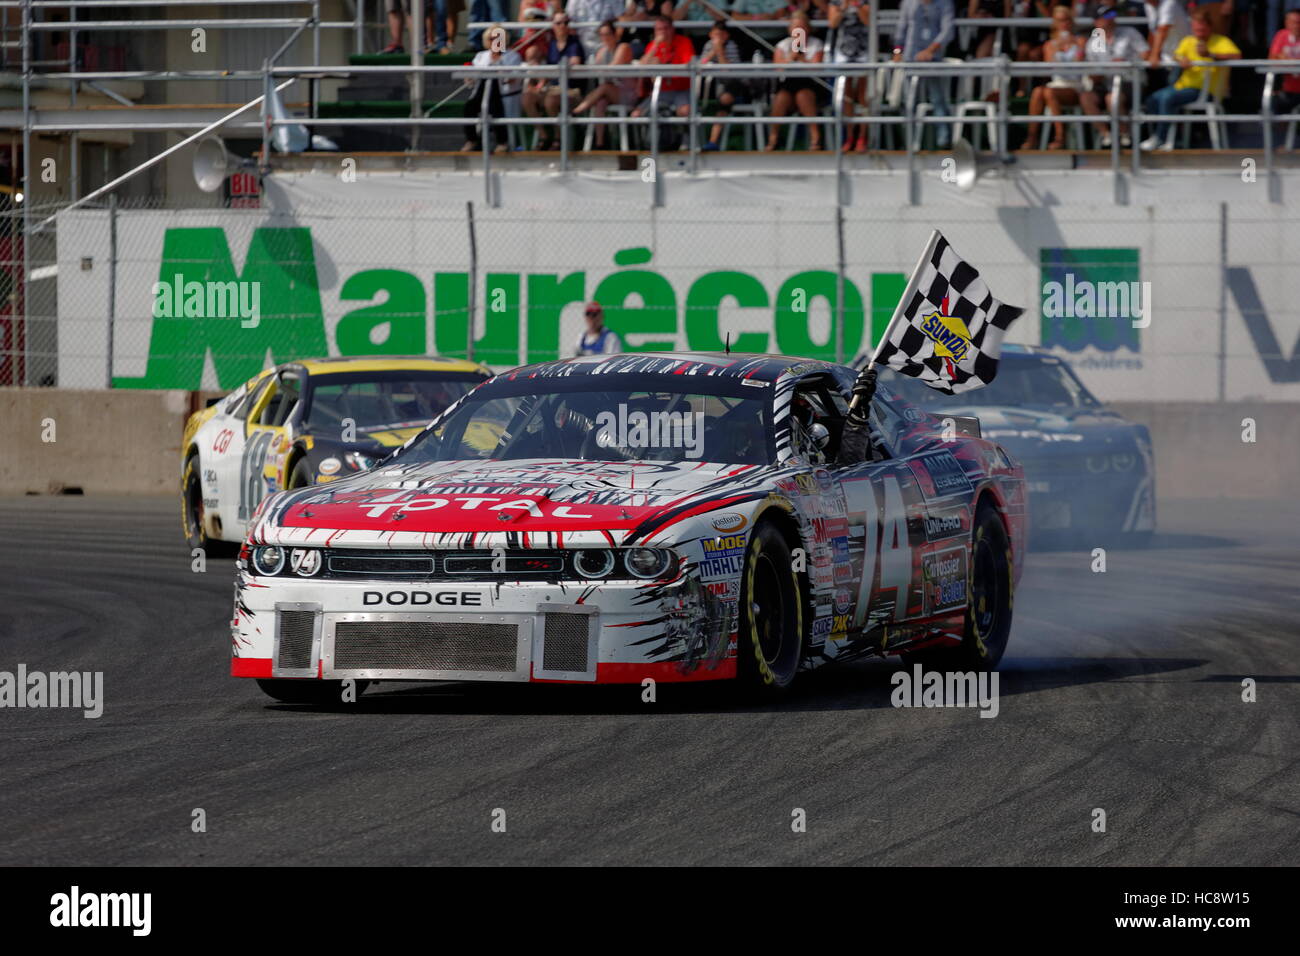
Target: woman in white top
<point>798,91</point>
<point>1063,46</point>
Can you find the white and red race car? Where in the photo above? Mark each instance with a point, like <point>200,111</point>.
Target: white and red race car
<point>609,519</point>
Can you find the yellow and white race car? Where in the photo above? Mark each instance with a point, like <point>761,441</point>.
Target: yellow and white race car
<point>304,423</point>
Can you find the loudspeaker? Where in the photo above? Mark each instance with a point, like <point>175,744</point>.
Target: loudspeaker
<point>211,164</point>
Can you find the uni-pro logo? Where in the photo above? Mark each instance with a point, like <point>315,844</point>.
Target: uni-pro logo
<point>950,336</point>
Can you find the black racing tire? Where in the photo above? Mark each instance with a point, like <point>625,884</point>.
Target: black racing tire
<point>769,644</point>
<point>990,584</point>
<point>196,535</point>
<point>302,475</point>
<point>321,693</point>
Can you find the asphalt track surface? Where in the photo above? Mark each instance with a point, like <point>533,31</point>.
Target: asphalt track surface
<point>1120,690</point>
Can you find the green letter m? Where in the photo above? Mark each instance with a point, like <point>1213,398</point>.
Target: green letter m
<point>291,324</point>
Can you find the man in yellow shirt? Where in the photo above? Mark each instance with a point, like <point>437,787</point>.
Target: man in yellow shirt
<point>1194,54</point>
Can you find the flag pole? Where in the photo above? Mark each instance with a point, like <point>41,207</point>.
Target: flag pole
<point>908,291</point>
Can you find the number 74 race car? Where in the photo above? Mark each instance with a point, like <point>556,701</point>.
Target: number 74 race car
<point>608,519</point>
<point>301,423</point>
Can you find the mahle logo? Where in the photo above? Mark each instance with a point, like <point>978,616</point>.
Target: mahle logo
<point>1094,299</point>
<point>388,310</point>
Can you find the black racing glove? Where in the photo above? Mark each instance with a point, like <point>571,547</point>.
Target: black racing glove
<point>864,390</point>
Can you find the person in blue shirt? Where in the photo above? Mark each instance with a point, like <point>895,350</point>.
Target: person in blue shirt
<point>597,339</point>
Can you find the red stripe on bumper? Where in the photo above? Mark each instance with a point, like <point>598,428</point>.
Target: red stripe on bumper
<point>663,672</point>
<point>250,667</point>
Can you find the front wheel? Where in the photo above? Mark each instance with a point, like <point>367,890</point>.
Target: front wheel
<point>770,639</point>
<point>192,514</point>
<point>318,692</point>
<point>302,475</point>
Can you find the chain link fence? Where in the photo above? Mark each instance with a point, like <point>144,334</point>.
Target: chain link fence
<point>139,295</point>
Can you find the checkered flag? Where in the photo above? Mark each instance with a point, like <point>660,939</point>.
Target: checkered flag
<point>947,330</point>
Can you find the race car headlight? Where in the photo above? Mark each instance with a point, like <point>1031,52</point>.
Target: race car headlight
<point>268,559</point>
<point>649,562</point>
<point>594,564</point>
<point>1097,463</point>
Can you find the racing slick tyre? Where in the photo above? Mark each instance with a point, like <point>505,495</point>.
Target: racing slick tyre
<point>318,692</point>
<point>196,535</point>
<point>769,643</point>
<point>988,615</point>
<point>302,475</point>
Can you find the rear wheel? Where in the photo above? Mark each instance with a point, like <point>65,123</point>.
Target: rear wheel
<point>770,638</point>
<point>318,692</point>
<point>192,513</point>
<point>988,615</point>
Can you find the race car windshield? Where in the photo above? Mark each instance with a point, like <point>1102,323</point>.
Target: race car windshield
<point>374,401</point>
<point>1018,383</point>
<point>641,418</point>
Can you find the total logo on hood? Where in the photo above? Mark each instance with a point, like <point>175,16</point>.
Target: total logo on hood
<point>460,497</point>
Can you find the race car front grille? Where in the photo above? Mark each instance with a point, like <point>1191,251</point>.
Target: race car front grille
<point>510,564</point>
<point>565,640</point>
<point>425,646</point>
<point>417,565</point>
<point>297,628</point>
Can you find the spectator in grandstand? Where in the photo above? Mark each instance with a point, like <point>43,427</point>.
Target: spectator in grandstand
<point>925,28</point>
<point>399,18</point>
<point>1167,25</point>
<point>483,10</point>
<point>597,339</point>
<point>537,37</point>
<point>545,95</point>
<point>597,12</point>
<point>1109,44</point>
<point>800,91</point>
<point>849,39</point>
<point>1029,47</point>
<point>1194,54</point>
<point>982,46</point>
<point>1062,90</point>
<point>728,91</point>
<point>504,98</point>
<point>609,90</point>
<point>634,19</point>
<point>668,47</point>
<point>1286,46</point>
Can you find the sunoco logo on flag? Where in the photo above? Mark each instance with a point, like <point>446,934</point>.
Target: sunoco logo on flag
<point>948,328</point>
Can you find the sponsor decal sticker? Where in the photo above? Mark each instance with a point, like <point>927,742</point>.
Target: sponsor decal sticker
<point>729,522</point>
<point>723,556</point>
<point>944,574</point>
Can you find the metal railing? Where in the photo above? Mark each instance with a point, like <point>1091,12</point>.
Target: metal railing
<point>1000,71</point>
